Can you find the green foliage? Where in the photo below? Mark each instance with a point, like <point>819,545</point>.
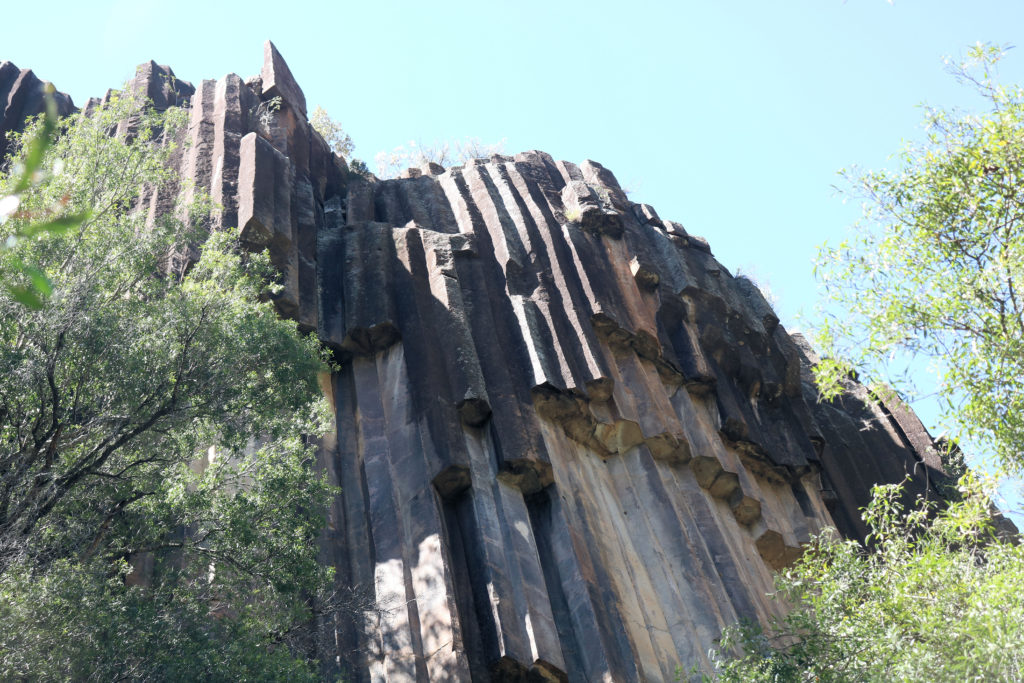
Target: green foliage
<point>936,597</point>
<point>333,134</point>
<point>265,111</point>
<point>359,167</point>
<point>933,271</point>
<point>935,267</point>
<point>35,286</point>
<point>151,417</point>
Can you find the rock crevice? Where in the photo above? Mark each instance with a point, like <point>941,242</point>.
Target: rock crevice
<point>571,446</point>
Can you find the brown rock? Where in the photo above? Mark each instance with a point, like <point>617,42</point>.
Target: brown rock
<point>583,206</point>
<point>263,202</point>
<point>277,81</point>
<point>161,86</point>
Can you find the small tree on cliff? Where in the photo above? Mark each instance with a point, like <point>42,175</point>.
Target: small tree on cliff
<point>332,132</point>
<point>152,417</point>
<point>391,164</point>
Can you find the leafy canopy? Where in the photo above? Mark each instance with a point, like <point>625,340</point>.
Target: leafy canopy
<point>158,508</point>
<point>936,265</point>
<point>933,270</point>
<point>936,597</point>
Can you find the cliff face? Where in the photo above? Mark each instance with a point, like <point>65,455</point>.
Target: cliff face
<point>571,445</point>
<point>21,96</point>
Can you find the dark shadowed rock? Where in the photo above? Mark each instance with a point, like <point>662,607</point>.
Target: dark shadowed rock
<point>22,96</point>
<point>570,445</point>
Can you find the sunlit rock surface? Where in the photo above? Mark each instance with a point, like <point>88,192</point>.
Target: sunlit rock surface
<point>571,445</point>
<point>21,96</point>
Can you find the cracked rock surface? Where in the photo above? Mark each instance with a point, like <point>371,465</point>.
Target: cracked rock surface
<point>571,445</point>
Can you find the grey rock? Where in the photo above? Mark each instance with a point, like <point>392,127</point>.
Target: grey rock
<point>276,80</point>
<point>22,96</point>
<point>571,446</point>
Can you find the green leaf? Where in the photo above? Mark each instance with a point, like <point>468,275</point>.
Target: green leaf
<point>166,352</point>
<point>57,226</point>
<point>39,281</point>
<point>25,296</point>
<point>37,147</point>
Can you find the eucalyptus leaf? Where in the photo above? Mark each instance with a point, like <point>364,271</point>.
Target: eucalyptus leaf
<point>934,271</point>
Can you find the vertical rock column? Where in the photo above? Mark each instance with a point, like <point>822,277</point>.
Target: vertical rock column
<point>562,415</point>
<point>571,445</point>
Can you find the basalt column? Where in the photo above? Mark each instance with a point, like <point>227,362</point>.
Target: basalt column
<point>570,444</point>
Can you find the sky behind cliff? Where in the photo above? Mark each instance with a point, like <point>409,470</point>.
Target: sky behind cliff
<point>729,117</point>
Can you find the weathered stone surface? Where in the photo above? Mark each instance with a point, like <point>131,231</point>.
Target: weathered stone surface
<point>571,445</point>
<point>161,86</point>
<point>277,80</point>
<point>583,205</point>
<point>22,96</point>
<point>646,214</point>
<point>644,408</point>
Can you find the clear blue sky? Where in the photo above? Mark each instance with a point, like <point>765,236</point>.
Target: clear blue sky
<point>729,117</point>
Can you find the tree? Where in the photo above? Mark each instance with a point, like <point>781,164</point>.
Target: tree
<point>935,271</point>
<point>333,134</point>
<point>158,507</point>
<point>935,268</point>
<point>390,164</point>
<point>935,597</point>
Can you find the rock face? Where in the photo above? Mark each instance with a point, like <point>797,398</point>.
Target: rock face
<point>571,445</point>
<point>21,96</point>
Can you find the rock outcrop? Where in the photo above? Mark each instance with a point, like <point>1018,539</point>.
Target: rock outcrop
<point>22,96</point>
<point>570,444</point>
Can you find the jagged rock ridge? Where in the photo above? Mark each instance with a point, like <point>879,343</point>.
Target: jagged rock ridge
<point>571,445</point>
<point>21,96</point>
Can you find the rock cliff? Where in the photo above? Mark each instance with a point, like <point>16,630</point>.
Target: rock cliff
<point>571,445</point>
<point>21,96</point>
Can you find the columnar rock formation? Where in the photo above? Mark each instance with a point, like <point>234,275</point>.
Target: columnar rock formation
<point>571,445</point>
<point>21,96</point>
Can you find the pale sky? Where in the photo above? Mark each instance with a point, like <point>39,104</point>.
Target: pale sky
<point>729,117</point>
